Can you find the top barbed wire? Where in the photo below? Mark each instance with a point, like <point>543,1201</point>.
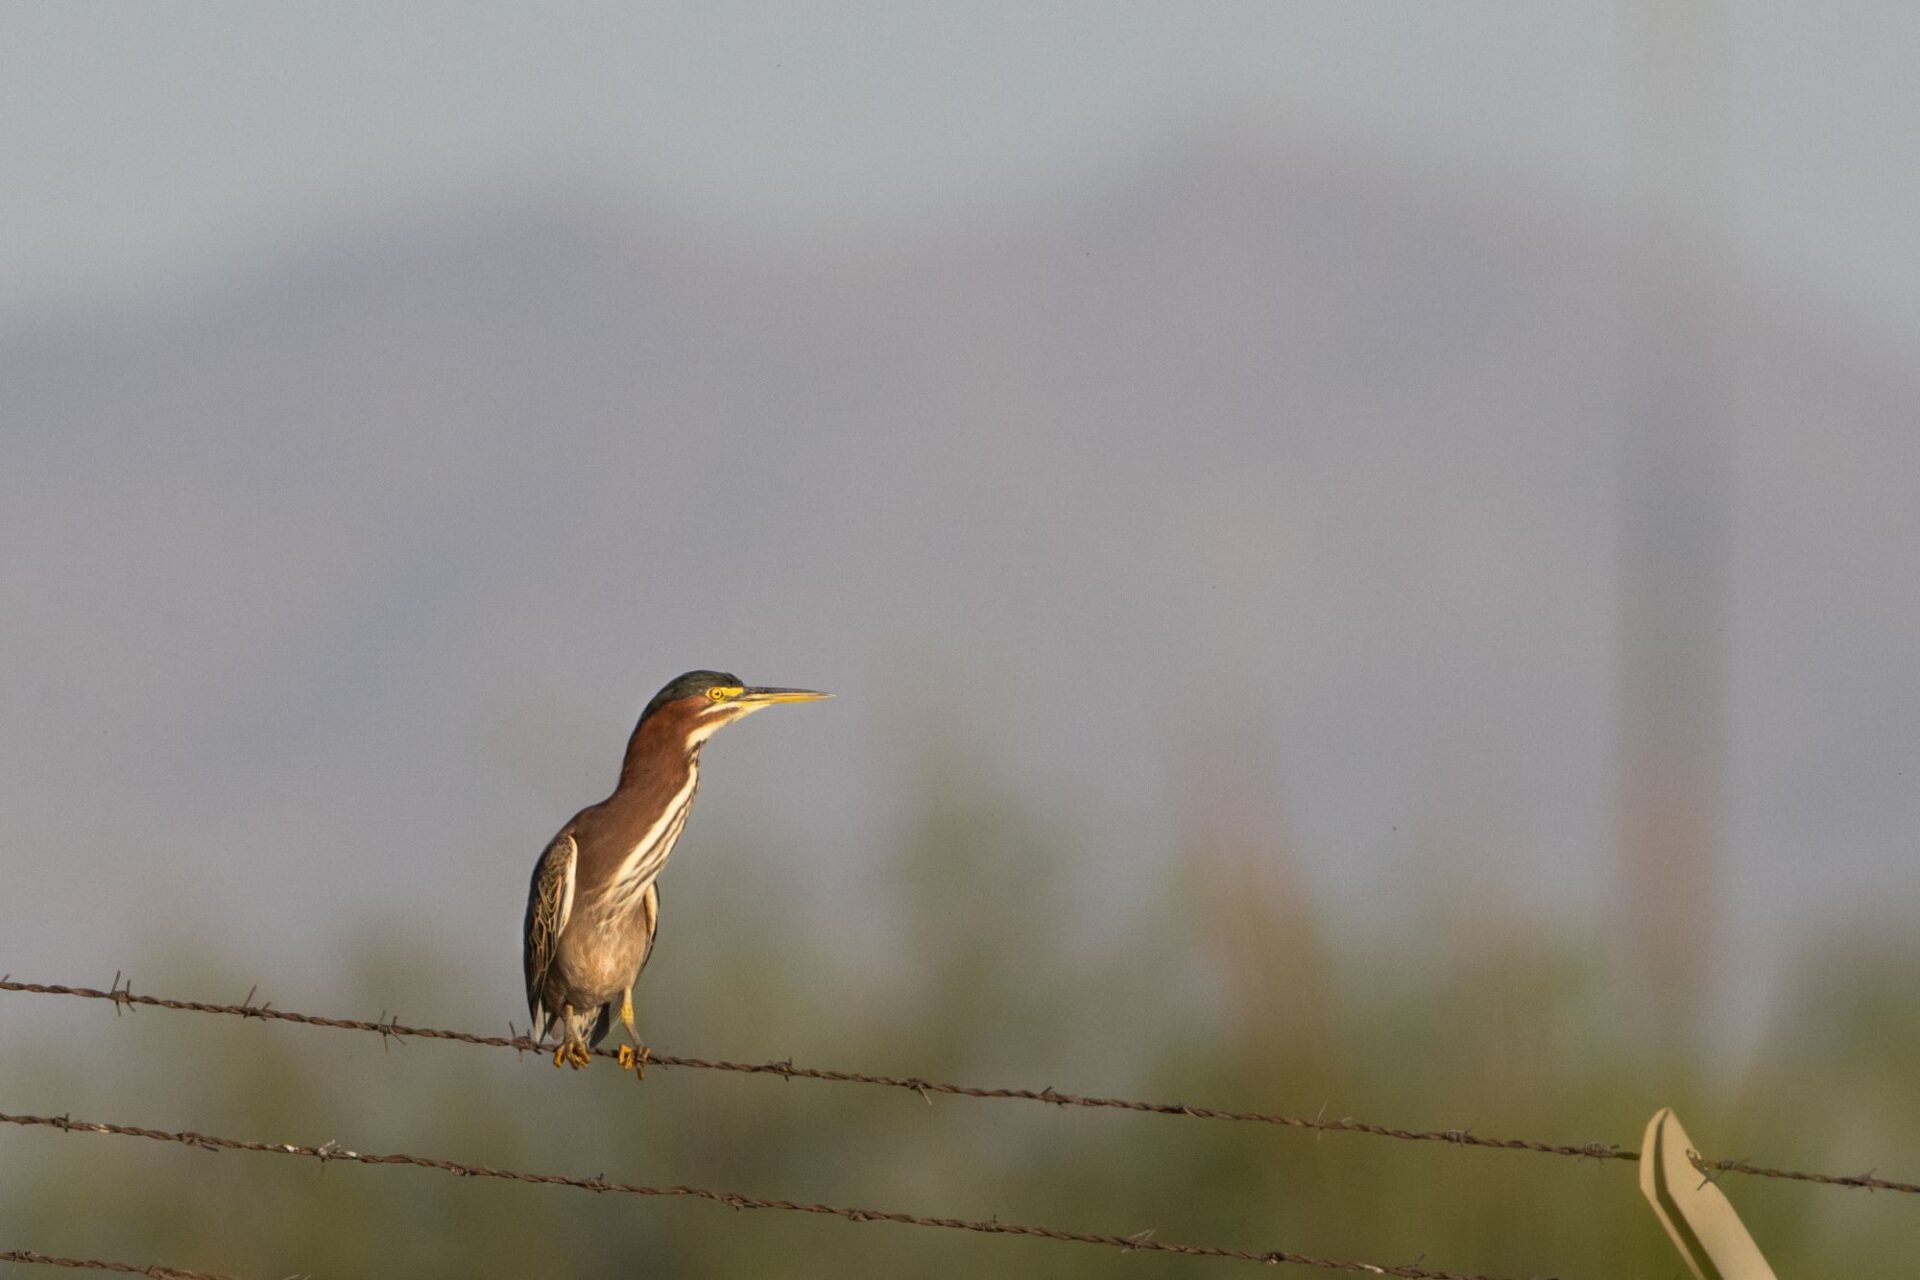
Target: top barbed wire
<point>121,995</point>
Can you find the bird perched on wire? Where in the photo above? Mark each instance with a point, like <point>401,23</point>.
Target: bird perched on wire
<point>593,907</point>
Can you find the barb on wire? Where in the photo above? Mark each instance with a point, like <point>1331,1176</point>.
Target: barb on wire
<point>1138,1242</point>
<point>122,995</point>
<point>154,1270</point>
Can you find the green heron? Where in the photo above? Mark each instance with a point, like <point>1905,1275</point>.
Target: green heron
<point>593,907</point>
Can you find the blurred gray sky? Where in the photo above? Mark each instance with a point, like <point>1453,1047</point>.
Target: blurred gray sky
<point>145,145</point>
<point>396,396</point>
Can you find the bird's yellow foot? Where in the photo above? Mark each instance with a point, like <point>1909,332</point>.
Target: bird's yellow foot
<point>572,1054</point>
<point>636,1060</point>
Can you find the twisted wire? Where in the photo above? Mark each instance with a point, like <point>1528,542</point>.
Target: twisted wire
<point>121,995</point>
<point>1144,1241</point>
<point>1858,1181</point>
<point>154,1270</point>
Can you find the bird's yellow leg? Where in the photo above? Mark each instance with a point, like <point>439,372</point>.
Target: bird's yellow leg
<point>571,1052</point>
<point>636,1054</point>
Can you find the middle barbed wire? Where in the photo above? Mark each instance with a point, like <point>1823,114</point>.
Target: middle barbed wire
<point>1139,1242</point>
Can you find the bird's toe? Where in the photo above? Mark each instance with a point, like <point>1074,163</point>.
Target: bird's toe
<point>635,1058</point>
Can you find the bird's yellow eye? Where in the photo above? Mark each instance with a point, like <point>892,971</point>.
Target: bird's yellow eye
<point>721,692</point>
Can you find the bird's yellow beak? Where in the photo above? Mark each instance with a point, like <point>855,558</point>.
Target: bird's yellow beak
<point>764,697</point>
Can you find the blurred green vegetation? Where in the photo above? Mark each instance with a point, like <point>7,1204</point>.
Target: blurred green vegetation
<point>1227,988</point>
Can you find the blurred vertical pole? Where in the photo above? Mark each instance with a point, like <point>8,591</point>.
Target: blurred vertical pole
<point>1677,61</point>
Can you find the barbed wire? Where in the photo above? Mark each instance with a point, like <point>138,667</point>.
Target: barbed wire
<point>1859,1181</point>
<point>121,995</point>
<point>1141,1242</point>
<point>154,1270</point>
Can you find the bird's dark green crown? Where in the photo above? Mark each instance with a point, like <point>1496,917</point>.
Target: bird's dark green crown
<point>691,685</point>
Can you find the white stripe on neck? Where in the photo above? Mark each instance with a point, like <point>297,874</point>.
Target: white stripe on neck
<point>641,864</point>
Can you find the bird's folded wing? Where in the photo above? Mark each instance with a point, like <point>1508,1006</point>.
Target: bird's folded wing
<point>549,904</point>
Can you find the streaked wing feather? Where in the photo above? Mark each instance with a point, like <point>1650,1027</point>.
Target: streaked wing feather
<point>549,905</point>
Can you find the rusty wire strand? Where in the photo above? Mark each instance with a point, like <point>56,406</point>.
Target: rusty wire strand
<point>1858,1181</point>
<point>1139,1242</point>
<point>122,995</point>
<point>154,1270</point>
